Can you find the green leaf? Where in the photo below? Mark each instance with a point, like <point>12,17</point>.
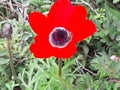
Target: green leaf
<point>3,52</point>
<point>3,61</point>
<point>1,69</point>
<point>118,38</point>
<point>116,1</point>
<point>26,36</point>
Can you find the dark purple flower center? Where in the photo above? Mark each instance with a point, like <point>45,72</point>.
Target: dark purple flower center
<point>60,37</point>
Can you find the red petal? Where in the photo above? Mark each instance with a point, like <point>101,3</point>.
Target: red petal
<point>82,30</point>
<point>60,13</point>
<point>66,52</point>
<point>80,27</point>
<point>87,29</point>
<point>79,12</point>
<point>41,47</point>
<point>37,22</point>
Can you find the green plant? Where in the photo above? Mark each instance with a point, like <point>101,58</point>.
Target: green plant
<point>89,69</point>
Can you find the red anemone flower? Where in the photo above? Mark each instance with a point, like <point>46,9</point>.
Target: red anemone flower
<point>59,31</point>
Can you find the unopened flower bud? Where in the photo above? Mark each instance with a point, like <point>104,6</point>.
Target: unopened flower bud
<point>6,30</point>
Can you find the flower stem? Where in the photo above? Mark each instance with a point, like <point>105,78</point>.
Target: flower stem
<point>59,67</point>
<point>63,81</point>
<point>10,56</point>
<point>11,62</point>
